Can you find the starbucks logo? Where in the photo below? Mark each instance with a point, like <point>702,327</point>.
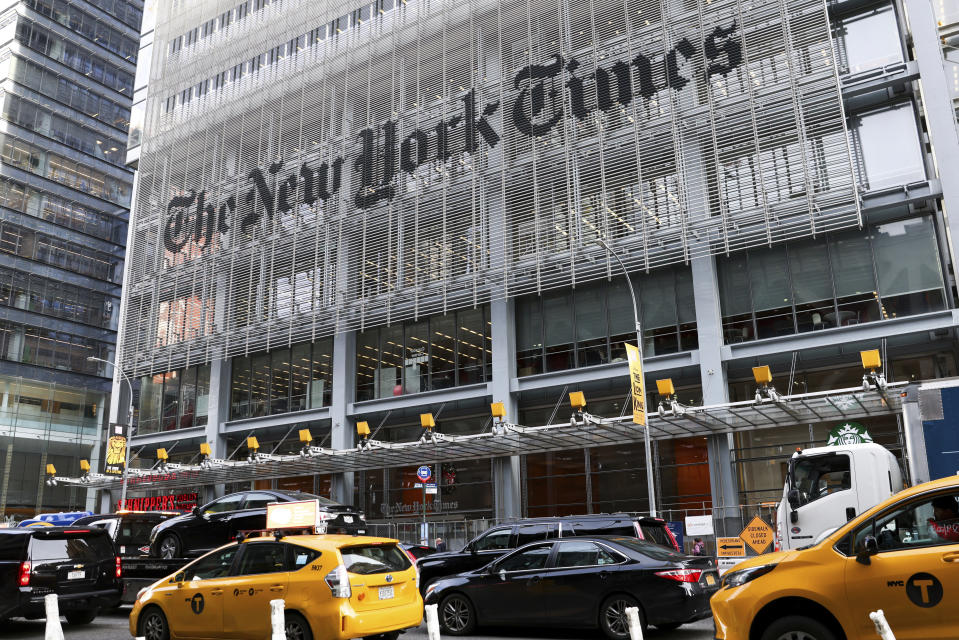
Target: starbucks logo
<point>848,433</point>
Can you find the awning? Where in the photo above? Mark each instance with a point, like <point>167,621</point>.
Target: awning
<point>510,439</point>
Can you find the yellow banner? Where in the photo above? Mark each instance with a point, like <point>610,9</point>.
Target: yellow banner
<point>116,455</point>
<point>638,384</point>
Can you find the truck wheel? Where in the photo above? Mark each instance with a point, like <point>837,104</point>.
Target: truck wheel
<point>81,617</point>
<point>797,628</point>
<point>169,546</point>
<point>153,625</point>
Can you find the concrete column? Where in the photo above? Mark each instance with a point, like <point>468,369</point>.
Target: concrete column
<point>723,485</point>
<point>937,106</point>
<point>343,392</point>
<point>218,414</point>
<point>507,497</point>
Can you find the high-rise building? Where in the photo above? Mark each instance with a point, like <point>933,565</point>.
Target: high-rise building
<point>67,71</point>
<point>376,213</point>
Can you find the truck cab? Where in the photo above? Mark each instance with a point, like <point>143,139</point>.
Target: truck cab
<point>828,486</point>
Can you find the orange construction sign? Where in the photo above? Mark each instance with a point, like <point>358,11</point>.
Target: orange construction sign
<point>757,534</point>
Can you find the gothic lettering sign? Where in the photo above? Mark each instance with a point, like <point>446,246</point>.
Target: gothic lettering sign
<point>541,93</point>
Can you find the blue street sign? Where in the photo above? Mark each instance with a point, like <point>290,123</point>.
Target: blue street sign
<point>424,473</point>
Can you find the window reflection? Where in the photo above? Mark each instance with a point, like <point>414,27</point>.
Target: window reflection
<point>281,381</point>
<point>174,400</point>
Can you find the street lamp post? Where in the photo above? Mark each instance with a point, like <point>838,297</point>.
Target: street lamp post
<point>639,345</point>
<point>126,462</point>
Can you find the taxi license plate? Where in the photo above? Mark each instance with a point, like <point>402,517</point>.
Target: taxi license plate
<point>710,579</point>
<point>347,519</point>
<point>386,593</point>
<point>76,575</point>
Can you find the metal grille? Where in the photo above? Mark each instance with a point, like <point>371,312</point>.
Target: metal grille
<point>305,173</point>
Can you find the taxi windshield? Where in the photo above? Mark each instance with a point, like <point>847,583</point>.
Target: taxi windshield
<point>371,559</point>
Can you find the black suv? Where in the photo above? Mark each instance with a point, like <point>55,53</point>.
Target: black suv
<point>218,522</point>
<point>498,540</point>
<point>77,564</point>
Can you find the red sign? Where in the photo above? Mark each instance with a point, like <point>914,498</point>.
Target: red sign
<point>176,502</point>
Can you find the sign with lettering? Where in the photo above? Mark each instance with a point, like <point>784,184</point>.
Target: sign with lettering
<point>116,455</point>
<point>730,548</point>
<point>171,502</point>
<point>757,534</point>
<point>637,383</point>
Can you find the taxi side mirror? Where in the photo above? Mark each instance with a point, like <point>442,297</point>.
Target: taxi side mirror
<point>178,578</point>
<point>870,547</point>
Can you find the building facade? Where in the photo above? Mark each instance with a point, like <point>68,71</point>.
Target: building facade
<point>371,215</point>
<point>67,72</point>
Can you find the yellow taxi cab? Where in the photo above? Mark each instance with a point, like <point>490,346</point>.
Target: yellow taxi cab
<point>335,587</point>
<point>901,556</point>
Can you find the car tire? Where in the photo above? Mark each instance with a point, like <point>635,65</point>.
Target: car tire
<point>81,617</point>
<point>797,628</point>
<point>169,547</point>
<point>612,616</point>
<point>152,624</point>
<point>457,615</point>
<point>296,627</point>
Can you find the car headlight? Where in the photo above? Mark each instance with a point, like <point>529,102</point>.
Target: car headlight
<point>739,578</point>
<point>141,592</point>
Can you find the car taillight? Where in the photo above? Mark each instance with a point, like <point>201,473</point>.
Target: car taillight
<point>681,575</point>
<point>339,582</point>
<point>25,568</point>
<point>119,568</point>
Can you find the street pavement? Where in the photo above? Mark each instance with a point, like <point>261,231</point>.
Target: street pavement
<point>113,626</point>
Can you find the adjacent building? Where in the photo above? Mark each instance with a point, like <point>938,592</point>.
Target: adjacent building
<point>67,73</point>
<point>372,214</point>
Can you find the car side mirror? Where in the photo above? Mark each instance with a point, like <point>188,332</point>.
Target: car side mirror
<point>196,511</point>
<point>792,497</point>
<point>471,549</point>
<point>870,547</point>
<point>178,578</point>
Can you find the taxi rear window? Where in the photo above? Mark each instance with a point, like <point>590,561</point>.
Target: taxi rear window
<point>379,558</point>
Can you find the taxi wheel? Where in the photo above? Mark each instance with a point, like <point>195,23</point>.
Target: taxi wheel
<point>613,619</point>
<point>457,616</point>
<point>797,628</point>
<point>153,625</point>
<point>169,547</point>
<point>296,627</point>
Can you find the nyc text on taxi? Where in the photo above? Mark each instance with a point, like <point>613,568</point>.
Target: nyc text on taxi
<point>901,556</point>
<point>335,587</point>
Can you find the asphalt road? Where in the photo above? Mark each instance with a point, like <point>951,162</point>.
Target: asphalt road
<point>113,626</point>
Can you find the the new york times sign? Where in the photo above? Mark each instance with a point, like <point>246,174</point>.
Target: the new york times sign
<point>535,106</point>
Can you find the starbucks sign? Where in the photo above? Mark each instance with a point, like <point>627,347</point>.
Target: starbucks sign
<point>848,433</point>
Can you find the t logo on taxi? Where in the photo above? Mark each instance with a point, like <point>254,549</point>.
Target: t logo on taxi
<point>196,603</point>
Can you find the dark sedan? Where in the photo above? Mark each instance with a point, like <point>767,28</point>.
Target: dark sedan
<point>584,582</point>
<point>218,522</point>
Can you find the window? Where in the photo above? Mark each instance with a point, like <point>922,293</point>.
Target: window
<point>889,147</point>
<point>91,548</point>
<point>816,477</point>
<point>495,539</point>
<point>302,556</point>
<point>369,560</point>
<point>929,522</point>
<point>532,532</point>
<point>215,565</point>
<point>601,527</point>
<point>527,560</point>
<point>228,503</point>
<point>869,40</point>
<point>583,554</point>
<point>259,500</point>
<point>262,557</point>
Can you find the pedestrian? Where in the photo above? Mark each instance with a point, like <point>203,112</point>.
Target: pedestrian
<point>699,549</point>
<point>440,545</point>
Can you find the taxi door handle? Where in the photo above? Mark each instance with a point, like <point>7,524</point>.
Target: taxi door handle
<point>216,592</point>
<point>952,556</point>
<point>277,587</point>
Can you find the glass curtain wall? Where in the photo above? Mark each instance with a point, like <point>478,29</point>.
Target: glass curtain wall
<point>283,380</point>
<point>174,400</point>
<point>889,270</point>
<point>434,353</point>
<point>589,325</point>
